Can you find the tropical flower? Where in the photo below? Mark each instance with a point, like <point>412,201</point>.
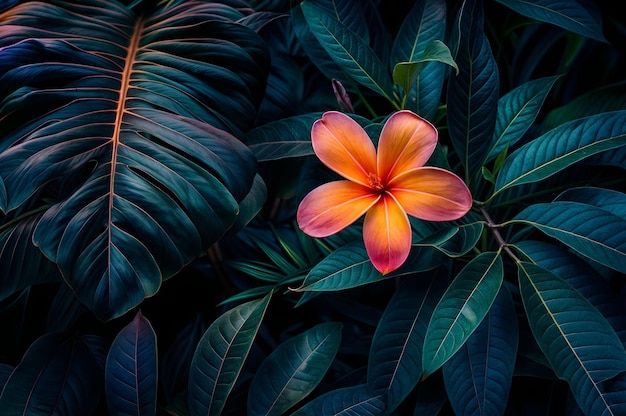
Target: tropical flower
<point>385,186</point>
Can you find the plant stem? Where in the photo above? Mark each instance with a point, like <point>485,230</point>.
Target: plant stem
<point>496,233</point>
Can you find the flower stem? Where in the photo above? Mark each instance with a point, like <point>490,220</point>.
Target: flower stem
<point>496,233</point>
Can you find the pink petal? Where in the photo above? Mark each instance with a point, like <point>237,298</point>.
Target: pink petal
<point>333,206</point>
<point>406,142</point>
<point>432,194</point>
<point>387,235</point>
<point>342,145</point>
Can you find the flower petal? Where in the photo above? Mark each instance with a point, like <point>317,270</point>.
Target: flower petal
<point>343,145</point>
<point>387,235</point>
<point>432,194</point>
<point>333,206</point>
<point>406,142</point>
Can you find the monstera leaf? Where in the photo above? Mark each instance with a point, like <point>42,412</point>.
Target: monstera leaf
<point>129,123</point>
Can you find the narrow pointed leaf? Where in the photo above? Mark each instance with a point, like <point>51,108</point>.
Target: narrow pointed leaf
<point>479,376</point>
<point>348,401</point>
<point>56,376</point>
<point>580,345</point>
<point>143,113</point>
<point>570,15</point>
<point>473,94</point>
<point>517,110</point>
<point>348,50</point>
<point>293,370</point>
<point>406,73</point>
<point>131,370</point>
<point>562,147</point>
<point>592,232</point>
<point>395,360</point>
<point>461,309</point>
<point>220,355</point>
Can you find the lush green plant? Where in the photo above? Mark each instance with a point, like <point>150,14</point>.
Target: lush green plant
<point>153,157</point>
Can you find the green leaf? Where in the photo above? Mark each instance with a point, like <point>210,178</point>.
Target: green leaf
<point>139,116</point>
<point>395,359</point>
<point>220,355</point>
<point>517,110</point>
<point>593,232</point>
<point>607,199</point>
<point>348,50</point>
<point>562,147</point>
<point>478,377</point>
<point>461,309</point>
<point>569,15</point>
<point>454,241</point>
<point>346,401</point>
<point>131,369</point>
<point>580,345</point>
<point>405,73</point>
<point>293,370</point>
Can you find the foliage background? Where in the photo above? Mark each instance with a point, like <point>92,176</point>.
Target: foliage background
<point>219,304</point>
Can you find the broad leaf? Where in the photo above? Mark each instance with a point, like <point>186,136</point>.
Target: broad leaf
<point>562,147</point>
<point>395,359</point>
<point>348,401</point>
<point>144,112</point>
<point>580,345</point>
<point>569,15</point>
<point>517,110</point>
<point>220,355</point>
<point>351,53</point>
<point>293,369</point>
<point>56,376</point>
<point>461,309</point>
<point>473,94</point>
<point>479,376</point>
<point>131,370</point>
<point>607,199</point>
<point>593,232</point>
<point>406,73</point>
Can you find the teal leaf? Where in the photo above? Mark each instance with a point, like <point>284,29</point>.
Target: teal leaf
<point>5,372</point>
<point>562,147</point>
<point>293,370</point>
<point>569,15</point>
<point>593,232</point>
<point>250,205</point>
<point>55,373</point>
<point>473,94</point>
<point>454,241</point>
<point>395,359</point>
<point>607,199</point>
<point>347,401</point>
<point>517,110</point>
<point>580,345</point>
<point>351,53</point>
<point>425,23</point>
<point>461,309</point>
<point>131,370</point>
<point>478,377</point>
<point>220,355</point>
<point>406,73</point>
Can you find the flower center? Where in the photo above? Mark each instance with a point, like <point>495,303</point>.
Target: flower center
<point>374,181</point>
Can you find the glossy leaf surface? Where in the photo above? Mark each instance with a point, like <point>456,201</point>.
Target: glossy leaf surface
<point>220,355</point>
<point>293,370</point>
<point>461,309</point>
<point>144,113</point>
<point>580,345</point>
<point>131,370</point>
<point>348,401</point>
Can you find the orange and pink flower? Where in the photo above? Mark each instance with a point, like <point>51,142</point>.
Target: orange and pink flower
<point>385,185</point>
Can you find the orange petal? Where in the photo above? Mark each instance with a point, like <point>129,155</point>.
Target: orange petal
<point>406,142</point>
<point>387,235</point>
<point>432,194</point>
<point>333,206</point>
<point>342,145</point>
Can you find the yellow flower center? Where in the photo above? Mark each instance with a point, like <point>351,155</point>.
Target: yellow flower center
<point>374,181</point>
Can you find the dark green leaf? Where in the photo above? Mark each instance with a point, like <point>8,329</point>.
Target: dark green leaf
<point>461,309</point>
<point>569,15</point>
<point>293,369</point>
<point>580,345</point>
<point>348,401</point>
<point>562,147</point>
<point>608,199</point>
<point>131,370</point>
<point>220,355</point>
<point>406,73</point>
<point>593,232</point>
<point>479,376</point>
